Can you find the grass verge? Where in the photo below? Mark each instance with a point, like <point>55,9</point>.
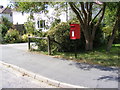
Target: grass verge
<point>98,56</point>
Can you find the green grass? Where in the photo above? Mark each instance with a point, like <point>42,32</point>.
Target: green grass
<point>98,56</point>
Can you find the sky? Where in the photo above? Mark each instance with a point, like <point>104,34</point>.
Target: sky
<point>4,2</point>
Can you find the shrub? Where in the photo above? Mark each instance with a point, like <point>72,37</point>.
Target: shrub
<point>12,36</point>
<point>61,38</point>
<point>25,37</point>
<point>5,25</point>
<point>30,26</point>
<point>42,44</point>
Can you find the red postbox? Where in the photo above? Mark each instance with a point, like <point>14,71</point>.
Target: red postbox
<point>74,31</point>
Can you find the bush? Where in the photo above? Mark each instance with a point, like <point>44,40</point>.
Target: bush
<point>30,26</point>
<point>5,25</point>
<point>42,44</point>
<point>12,36</point>
<point>25,37</point>
<point>61,38</point>
<point>99,39</point>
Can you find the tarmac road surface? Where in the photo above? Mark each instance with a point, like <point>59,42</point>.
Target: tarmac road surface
<point>81,74</point>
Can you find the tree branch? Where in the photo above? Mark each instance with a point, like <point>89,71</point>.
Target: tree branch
<point>103,12</point>
<point>96,16</point>
<point>98,22</point>
<point>87,4</point>
<point>82,17</point>
<point>77,13</point>
<point>90,13</point>
<point>83,9</point>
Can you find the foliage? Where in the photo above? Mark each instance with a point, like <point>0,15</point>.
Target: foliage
<point>110,17</point>
<point>30,26</point>
<point>59,8</point>
<point>6,22</point>
<point>31,6</point>
<point>1,38</point>
<point>60,33</point>
<point>12,36</point>
<point>5,25</point>
<point>87,14</point>
<point>25,37</point>
<point>56,21</point>
<point>60,38</point>
<point>41,43</point>
<point>97,56</point>
<point>3,29</point>
<point>114,7</point>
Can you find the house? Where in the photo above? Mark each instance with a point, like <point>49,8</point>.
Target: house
<point>6,12</point>
<point>42,20</point>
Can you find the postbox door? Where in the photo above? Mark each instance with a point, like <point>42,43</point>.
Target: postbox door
<point>74,31</point>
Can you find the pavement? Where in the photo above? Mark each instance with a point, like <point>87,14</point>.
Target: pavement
<point>10,76</point>
<point>61,70</point>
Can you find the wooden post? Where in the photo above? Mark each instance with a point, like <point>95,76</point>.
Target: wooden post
<point>49,48</point>
<point>28,43</point>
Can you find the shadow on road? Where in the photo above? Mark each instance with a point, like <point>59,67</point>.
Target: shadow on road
<point>111,78</point>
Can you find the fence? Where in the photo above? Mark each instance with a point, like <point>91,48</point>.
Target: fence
<point>45,38</point>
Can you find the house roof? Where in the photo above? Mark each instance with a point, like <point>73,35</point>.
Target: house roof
<point>5,10</point>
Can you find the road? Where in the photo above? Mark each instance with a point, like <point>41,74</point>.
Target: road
<point>81,74</point>
<point>13,79</point>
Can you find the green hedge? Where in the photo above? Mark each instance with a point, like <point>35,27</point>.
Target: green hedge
<point>12,36</point>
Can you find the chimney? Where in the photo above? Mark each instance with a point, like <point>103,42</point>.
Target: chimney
<point>1,6</point>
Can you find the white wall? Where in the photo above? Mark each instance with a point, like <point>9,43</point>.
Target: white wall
<point>10,18</point>
<point>49,17</point>
<point>19,18</point>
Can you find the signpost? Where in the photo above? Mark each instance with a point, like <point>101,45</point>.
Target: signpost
<point>75,34</point>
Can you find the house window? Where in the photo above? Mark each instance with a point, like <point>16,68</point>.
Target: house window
<point>41,24</point>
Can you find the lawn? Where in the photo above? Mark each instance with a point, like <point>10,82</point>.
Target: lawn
<point>98,56</point>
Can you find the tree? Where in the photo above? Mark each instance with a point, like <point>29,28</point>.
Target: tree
<point>30,26</point>
<point>59,8</point>
<point>115,7</point>
<point>31,6</point>
<point>5,25</point>
<point>85,12</point>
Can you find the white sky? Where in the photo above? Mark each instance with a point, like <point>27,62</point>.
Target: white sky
<point>4,2</point>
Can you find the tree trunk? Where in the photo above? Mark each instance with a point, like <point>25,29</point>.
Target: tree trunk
<point>110,43</point>
<point>115,28</point>
<point>89,43</point>
<point>112,37</point>
<point>84,15</point>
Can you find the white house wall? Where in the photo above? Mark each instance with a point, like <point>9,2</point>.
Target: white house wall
<point>19,18</point>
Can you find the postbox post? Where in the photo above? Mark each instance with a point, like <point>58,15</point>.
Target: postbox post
<point>28,42</point>
<point>74,35</point>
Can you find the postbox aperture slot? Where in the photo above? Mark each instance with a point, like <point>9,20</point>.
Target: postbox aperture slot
<point>72,26</point>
